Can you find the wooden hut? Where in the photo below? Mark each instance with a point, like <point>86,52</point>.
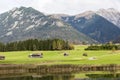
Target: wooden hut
<point>2,57</point>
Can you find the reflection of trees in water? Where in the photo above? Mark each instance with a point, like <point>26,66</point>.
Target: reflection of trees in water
<point>18,78</point>
<point>58,77</point>
<point>54,77</point>
<point>104,76</point>
<point>55,72</point>
<point>65,77</point>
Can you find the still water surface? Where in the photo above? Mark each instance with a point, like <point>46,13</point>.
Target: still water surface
<point>59,72</point>
<point>77,76</point>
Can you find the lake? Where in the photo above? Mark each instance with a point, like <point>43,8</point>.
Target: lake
<point>59,72</point>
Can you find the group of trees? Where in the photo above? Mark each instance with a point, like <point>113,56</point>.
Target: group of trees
<point>35,44</point>
<point>108,46</point>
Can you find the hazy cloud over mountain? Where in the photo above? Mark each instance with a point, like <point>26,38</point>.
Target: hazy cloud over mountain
<point>60,6</point>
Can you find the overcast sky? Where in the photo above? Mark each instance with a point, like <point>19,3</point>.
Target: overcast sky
<point>60,6</point>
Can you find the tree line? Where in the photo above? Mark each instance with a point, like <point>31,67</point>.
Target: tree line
<point>107,46</point>
<point>35,44</point>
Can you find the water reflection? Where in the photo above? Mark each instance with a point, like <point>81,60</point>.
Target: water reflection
<point>50,77</point>
<point>59,72</point>
<point>87,76</point>
<point>103,76</point>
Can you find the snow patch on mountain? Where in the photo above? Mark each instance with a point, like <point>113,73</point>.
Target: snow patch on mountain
<point>111,15</point>
<point>16,13</point>
<point>60,24</point>
<point>22,22</point>
<point>44,23</point>
<point>6,19</point>
<point>29,27</point>
<point>9,33</point>
<point>14,25</point>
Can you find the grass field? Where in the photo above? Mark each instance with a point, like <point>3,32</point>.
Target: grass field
<point>56,57</point>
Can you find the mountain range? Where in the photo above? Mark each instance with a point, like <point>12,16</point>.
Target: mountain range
<point>91,26</point>
<point>25,23</point>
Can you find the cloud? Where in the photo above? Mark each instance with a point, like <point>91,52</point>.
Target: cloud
<point>61,6</point>
<point>6,5</point>
<point>74,6</point>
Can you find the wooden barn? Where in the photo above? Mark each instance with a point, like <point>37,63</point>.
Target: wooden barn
<point>36,55</point>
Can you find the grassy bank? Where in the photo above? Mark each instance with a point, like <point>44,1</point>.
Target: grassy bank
<point>56,57</point>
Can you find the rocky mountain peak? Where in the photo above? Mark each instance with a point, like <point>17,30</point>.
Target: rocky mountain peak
<point>87,15</point>
<point>26,23</point>
<point>111,15</point>
<point>25,10</point>
<point>101,25</point>
<point>109,10</point>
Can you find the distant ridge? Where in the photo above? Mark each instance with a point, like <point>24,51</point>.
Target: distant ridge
<point>102,26</point>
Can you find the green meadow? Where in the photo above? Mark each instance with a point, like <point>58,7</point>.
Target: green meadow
<point>57,57</point>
